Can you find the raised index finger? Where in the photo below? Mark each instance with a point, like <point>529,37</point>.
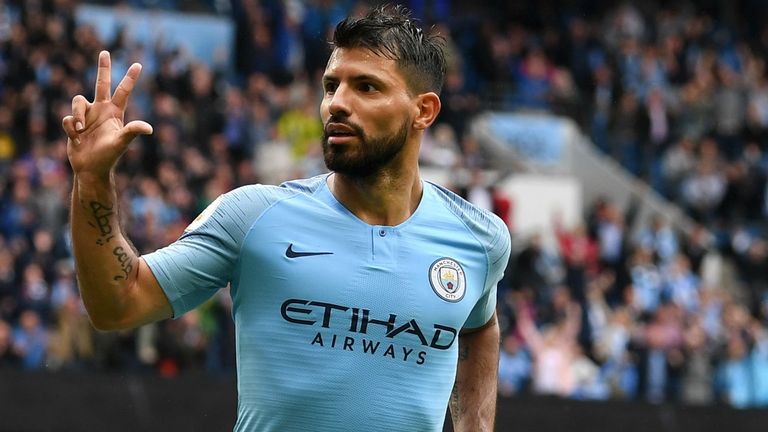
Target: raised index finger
<point>103,78</point>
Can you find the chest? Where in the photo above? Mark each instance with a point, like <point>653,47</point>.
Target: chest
<point>417,282</point>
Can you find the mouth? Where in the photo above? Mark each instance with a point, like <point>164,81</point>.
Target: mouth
<point>339,130</point>
<point>338,133</point>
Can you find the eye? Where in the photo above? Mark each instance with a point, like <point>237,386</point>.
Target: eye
<point>330,86</point>
<point>367,87</point>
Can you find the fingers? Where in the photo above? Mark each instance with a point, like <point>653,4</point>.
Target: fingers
<point>74,124</point>
<point>124,89</point>
<point>103,78</point>
<point>68,124</point>
<point>79,107</point>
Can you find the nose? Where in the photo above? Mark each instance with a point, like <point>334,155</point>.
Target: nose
<point>338,101</point>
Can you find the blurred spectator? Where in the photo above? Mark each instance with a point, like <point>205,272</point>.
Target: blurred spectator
<point>514,366</point>
<point>8,355</point>
<point>71,342</point>
<point>8,283</point>
<point>736,373</point>
<point>18,213</point>
<point>703,190</point>
<point>730,110</point>
<point>695,109</point>
<point>645,289</point>
<point>625,131</point>
<point>604,92</point>
<point>300,126</point>
<point>608,225</point>
<point>578,249</point>
<point>478,192</point>
<point>697,385</point>
<point>753,269</point>
<point>611,348</point>
<point>30,340</point>
<point>757,114</point>
<point>440,148</point>
<point>554,350</point>
<point>151,214</point>
<point>660,238</point>
<point>677,164</point>
<point>661,357</point>
<point>681,286</point>
<point>35,291</point>
<point>182,344</point>
<point>458,104</point>
<point>656,134</point>
<point>531,271</point>
<point>534,77</point>
<point>236,129</point>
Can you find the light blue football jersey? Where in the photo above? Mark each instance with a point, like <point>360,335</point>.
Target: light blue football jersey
<point>340,325</point>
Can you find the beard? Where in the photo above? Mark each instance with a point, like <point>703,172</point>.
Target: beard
<point>366,158</point>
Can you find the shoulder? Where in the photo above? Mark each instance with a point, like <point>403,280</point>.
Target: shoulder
<point>259,196</point>
<point>476,218</point>
<point>306,186</point>
<point>242,206</point>
<point>488,228</point>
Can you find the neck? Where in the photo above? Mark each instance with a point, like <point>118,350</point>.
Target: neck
<point>387,198</point>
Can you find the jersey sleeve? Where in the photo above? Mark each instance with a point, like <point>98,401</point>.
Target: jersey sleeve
<point>499,246</point>
<point>203,259</point>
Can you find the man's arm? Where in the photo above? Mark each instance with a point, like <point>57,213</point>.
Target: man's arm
<point>473,400</point>
<point>117,287</point>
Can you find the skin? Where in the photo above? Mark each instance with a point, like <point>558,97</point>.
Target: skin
<point>364,93</point>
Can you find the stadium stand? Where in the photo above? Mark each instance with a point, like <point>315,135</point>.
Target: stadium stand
<point>676,93</point>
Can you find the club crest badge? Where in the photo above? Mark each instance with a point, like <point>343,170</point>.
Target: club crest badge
<point>447,279</point>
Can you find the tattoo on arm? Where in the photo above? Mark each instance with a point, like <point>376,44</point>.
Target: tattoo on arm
<point>126,263</point>
<point>455,403</point>
<point>101,214</point>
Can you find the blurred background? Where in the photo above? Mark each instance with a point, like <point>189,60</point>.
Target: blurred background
<point>623,143</point>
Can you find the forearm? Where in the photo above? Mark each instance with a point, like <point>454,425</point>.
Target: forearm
<point>105,261</point>
<point>473,401</point>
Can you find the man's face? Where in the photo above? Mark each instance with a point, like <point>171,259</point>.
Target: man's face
<point>366,110</point>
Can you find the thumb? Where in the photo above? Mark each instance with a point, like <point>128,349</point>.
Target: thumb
<point>134,128</point>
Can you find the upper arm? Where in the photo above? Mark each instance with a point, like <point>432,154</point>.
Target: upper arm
<point>479,352</point>
<point>473,400</point>
<point>484,339</point>
<point>482,342</point>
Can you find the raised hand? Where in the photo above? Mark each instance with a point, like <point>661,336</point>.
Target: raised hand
<point>96,134</point>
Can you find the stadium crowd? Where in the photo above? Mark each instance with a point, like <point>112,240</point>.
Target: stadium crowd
<point>678,94</point>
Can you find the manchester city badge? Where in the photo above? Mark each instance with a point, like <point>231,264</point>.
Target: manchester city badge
<point>447,279</point>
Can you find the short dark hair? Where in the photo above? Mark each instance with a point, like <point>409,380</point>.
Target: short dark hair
<point>389,31</point>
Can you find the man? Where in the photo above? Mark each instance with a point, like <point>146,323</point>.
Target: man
<point>359,296</point>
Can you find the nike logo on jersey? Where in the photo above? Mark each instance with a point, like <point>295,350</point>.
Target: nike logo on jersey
<point>290,253</point>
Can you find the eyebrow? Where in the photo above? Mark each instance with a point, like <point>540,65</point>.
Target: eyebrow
<point>360,77</point>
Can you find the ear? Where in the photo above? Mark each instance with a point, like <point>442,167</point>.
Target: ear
<point>428,105</point>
